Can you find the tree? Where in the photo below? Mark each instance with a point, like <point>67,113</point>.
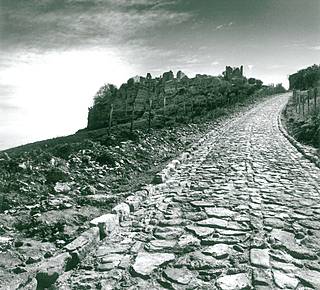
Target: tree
<point>108,91</point>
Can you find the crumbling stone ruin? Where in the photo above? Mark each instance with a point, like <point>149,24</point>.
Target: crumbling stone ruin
<point>165,97</point>
<point>233,72</point>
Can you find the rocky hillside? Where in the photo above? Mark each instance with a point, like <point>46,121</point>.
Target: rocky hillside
<point>155,102</point>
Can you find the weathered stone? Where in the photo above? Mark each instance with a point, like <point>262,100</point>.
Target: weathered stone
<point>49,271</point>
<point>310,277</point>
<point>84,243</point>
<point>219,251</point>
<point>112,249</point>
<point>161,245</point>
<point>261,277</point>
<point>260,258</point>
<point>219,212</point>
<point>284,280</point>
<point>146,263</point>
<point>168,233</point>
<point>187,243</point>
<point>134,202</point>
<point>274,222</point>
<point>172,222</point>
<point>122,210</point>
<point>178,275</point>
<point>5,243</point>
<point>285,267</point>
<point>202,203</point>
<point>107,223</point>
<point>233,282</point>
<point>214,223</point>
<point>61,187</point>
<point>200,232</point>
<point>288,241</point>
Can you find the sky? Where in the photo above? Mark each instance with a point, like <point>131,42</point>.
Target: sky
<point>56,54</point>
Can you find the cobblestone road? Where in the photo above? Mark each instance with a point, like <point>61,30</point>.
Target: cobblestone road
<point>242,213</point>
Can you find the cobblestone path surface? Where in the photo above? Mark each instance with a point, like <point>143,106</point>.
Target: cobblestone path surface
<point>242,213</point>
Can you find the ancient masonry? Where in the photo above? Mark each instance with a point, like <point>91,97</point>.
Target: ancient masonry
<point>162,97</point>
<point>240,210</point>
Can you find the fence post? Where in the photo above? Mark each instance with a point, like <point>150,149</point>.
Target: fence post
<point>132,117</point>
<point>303,102</point>
<point>308,99</point>
<point>149,119</point>
<point>295,100</point>
<point>110,119</point>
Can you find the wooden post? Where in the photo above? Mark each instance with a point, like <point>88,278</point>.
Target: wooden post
<point>110,119</point>
<point>192,106</point>
<point>126,102</point>
<point>150,110</point>
<point>295,100</point>
<point>303,100</point>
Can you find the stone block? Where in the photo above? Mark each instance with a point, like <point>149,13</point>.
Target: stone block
<point>122,210</point>
<point>84,243</point>
<point>50,270</point>
<point>134,202</point>
<point>106,223</point>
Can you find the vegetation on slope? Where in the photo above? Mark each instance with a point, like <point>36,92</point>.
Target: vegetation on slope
<point>302,114</point>
<point>305,79</point>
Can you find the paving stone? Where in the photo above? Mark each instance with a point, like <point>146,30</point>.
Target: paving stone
<point>200,232</point>
<point>188,243</point>
<point>214,223</point>
<point>284,280</point>
<point>261,277</point>
<point>202,203</point>
<point>146,263</point>
<point>232,282</point>
<point>161,245</point>
<point>244,202</point>
<point>310,277</point>
<point>219,251</point>
<point>168,233</point>
<point>260,258</point>
<point>219,212</point>
<point>178,275</point>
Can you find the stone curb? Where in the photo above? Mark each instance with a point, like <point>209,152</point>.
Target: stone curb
<point>307,151</point>
<point>48,271</point>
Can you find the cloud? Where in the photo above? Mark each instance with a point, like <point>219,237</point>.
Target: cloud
<point>215,63</point>
<point>225,25</point>
<point>48,24</point>
<point>250,67</point>
<point>315,47</point>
